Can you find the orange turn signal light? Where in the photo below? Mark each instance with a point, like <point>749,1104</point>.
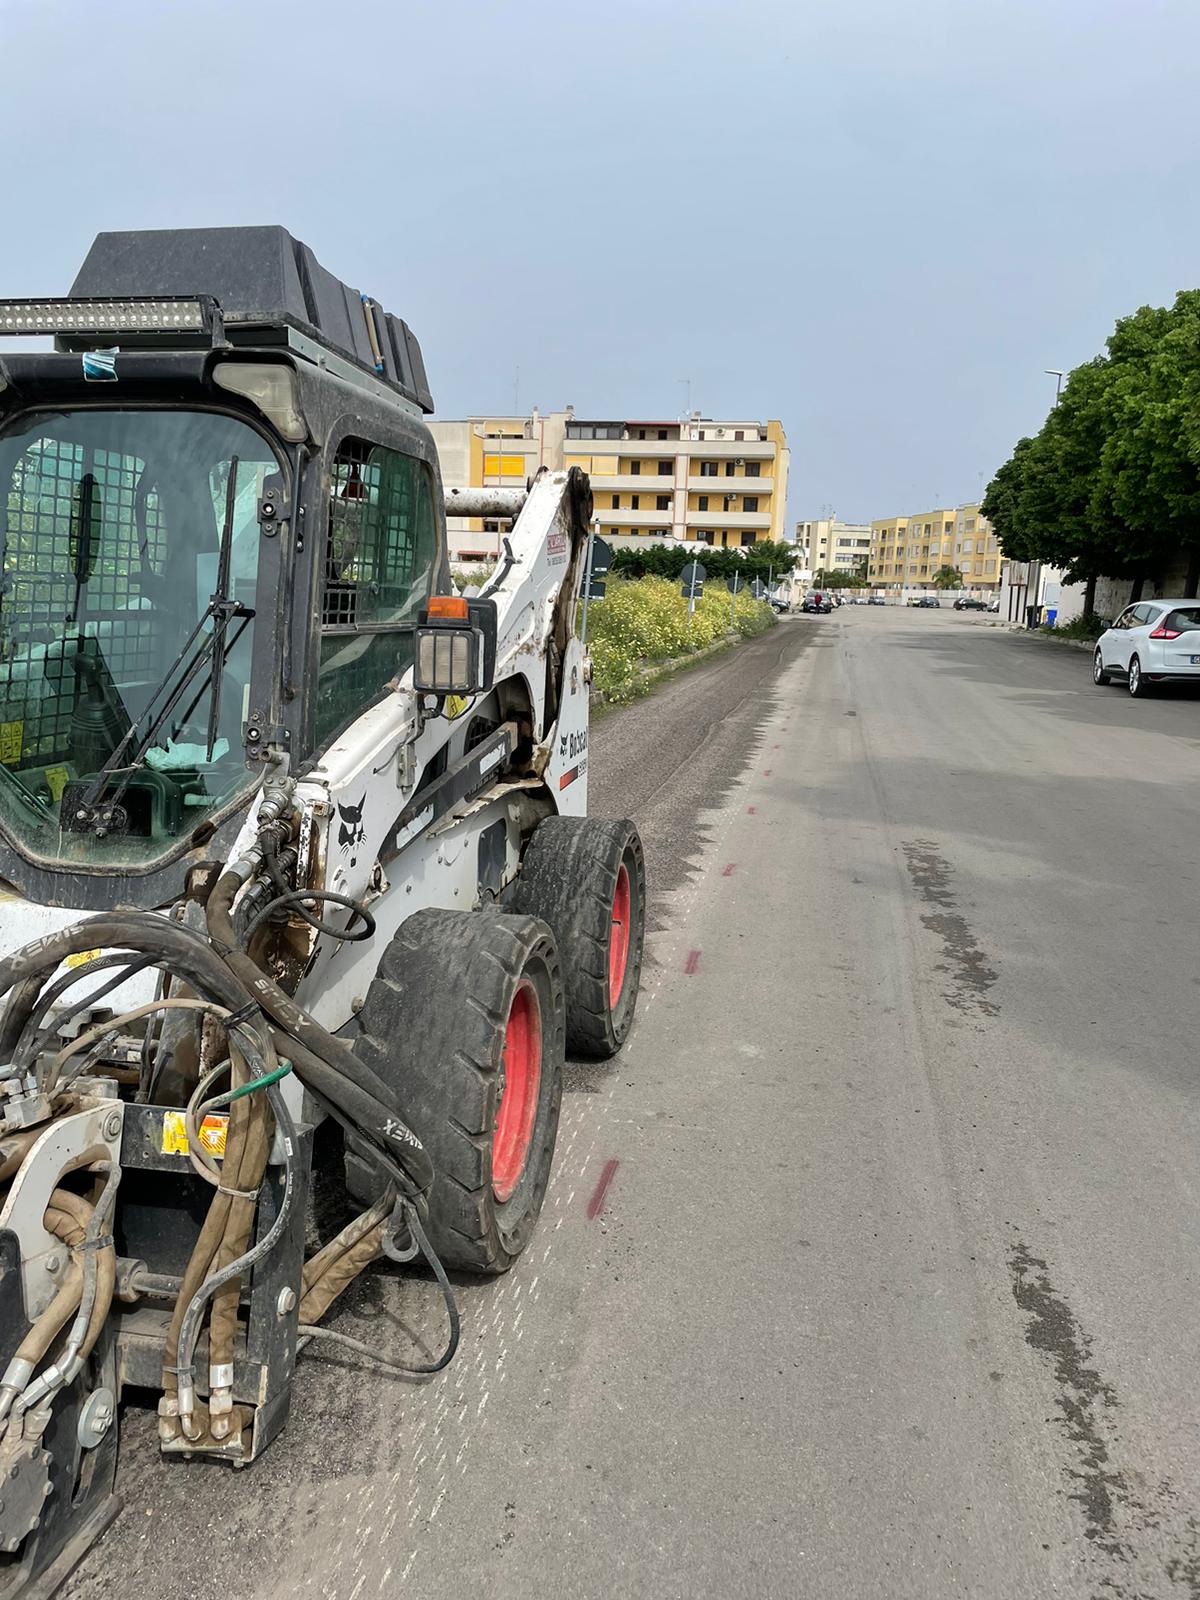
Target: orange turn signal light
<point>449,607</point>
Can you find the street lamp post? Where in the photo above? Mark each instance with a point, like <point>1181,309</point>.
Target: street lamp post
<point>1053,372</point>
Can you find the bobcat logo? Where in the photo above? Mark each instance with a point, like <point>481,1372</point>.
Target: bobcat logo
<point>351,832</point>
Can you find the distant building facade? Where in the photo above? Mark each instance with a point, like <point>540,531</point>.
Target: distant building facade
<point>719,482</point>
<point>907,552</point>
<point>833,546</point>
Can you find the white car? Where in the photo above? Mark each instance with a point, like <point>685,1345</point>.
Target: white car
<point>1151,642</point>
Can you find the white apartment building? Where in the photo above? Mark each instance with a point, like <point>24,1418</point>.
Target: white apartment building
<point>697,478</point>
<point>834,546</point>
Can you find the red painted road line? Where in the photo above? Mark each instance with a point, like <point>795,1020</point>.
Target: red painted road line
<point>727,872</point>
<point>750,810</point>
<point>692,962</point>
<point>601,1189</point>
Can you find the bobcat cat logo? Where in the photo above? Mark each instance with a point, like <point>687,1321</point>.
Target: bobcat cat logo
<point>351,832</point>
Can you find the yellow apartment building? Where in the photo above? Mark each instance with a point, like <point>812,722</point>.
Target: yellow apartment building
<point>722,482</point>
<point>906,552</point>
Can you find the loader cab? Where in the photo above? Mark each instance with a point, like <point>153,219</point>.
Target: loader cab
<point>214,552</point>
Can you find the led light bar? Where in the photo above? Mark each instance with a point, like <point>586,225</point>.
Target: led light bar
<point>102,317</point>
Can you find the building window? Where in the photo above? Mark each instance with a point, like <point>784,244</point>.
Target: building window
<point>635,501</point>
<point>616,505</point>
<point>662,433</point>
<point>665,469</point>
<point>967,546</point>
<point>750,503</point>
<point>635,469</point>
<point>753,469</point>
<point>726,502</point>
<point>738,433</point>
<point>662,502</point>
<point>641,433</point>
<point>702,502</point>
<point>729,469</point>
<point>708,469</point>
<point>379,564</point>
<point>747,539</point>
<point>705,535</point>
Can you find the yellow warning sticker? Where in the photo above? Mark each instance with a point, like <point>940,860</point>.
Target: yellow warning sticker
<point>12,736</point>
<point>175,1139</point>
<point>57,779</point>
<point>80,958</point>
<point>454,705</point>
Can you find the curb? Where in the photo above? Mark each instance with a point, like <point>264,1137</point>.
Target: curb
<point>1046,638</point>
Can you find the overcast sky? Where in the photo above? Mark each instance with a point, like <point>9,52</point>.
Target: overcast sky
<point>877,221</point>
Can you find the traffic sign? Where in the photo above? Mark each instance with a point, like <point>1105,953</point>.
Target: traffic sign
<point>601,561</point>
<point>692,580</point>
<point>735,584</point>
<point>758,589</point>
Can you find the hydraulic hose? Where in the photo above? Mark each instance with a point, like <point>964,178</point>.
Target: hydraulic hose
<point>341,1083</point>
<point>190,1324</point>
<point>406,1149</point>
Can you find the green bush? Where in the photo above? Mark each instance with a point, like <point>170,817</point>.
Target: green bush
<point>1087,628</point>
<point>641,622</point>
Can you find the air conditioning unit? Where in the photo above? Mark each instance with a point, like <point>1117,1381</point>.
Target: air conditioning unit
<point>740,461</point>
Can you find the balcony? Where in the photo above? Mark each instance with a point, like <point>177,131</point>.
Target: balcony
<point>722,485</point>
<point>760,520</point>
<point>642,518</point>
<point>698,449</point>
<point>629,483</point>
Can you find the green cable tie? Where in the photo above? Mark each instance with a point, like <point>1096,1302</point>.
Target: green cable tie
<point>259,1083</point>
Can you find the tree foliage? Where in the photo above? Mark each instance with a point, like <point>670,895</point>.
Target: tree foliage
<point>1111,484</point>
<point>830,579</point>
<point>667,561</point>
<point>947,578</point>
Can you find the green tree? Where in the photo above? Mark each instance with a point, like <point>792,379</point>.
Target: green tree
<point>1111,484</point>
<point>829,579</point>
<point>947,578</point>
<point>762,560</point>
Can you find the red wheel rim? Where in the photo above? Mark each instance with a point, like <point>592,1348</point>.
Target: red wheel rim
<point>519,1102</point>
<point>618,939</point>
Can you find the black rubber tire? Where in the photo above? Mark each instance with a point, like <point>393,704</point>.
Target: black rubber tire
<point>1136,681</point>
<point>569,879</point>
<point>1099,675</point>
<point>434,1024</point>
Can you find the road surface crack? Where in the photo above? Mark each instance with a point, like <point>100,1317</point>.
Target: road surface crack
<point>967,966</point>
<point>1114,1510</point>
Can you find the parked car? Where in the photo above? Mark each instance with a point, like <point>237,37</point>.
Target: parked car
<point>780,607</point>
<point>1155,641</point>
<point>876,600</point>
<point>966,603</point>
<point>926,602</point>
<point>994,606</point>
<point>816,601</point>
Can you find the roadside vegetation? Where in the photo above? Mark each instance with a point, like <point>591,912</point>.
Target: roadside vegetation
<point>643,622</point>
<point>1084,629</point>
<point>1110,486</point>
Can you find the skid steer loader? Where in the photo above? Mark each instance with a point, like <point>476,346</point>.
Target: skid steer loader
<point>292,842</point>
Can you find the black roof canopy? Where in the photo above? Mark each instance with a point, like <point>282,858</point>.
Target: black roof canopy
<point>261,277</point>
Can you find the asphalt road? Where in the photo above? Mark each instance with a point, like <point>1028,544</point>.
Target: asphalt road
<point>869,1268</point>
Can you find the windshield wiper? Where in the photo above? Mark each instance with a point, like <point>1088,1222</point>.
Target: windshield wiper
<point>196,651</point>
